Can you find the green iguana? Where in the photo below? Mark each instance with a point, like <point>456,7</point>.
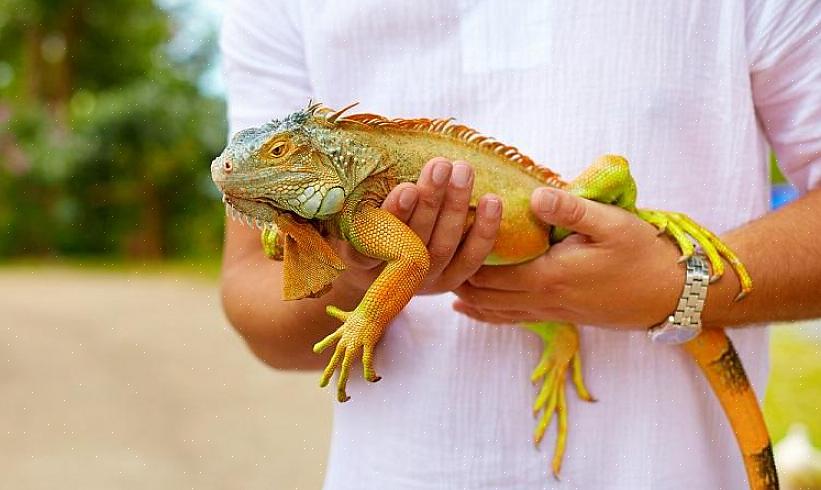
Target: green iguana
<point>318,173</point>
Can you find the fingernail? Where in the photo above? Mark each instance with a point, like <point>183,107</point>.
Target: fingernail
<point>407,199</point>
<point>492,207</point>
<point>440,173</point>
<point>461,175</point>
<point>546,200</point>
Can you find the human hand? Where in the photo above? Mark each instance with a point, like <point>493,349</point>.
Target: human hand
<point>436,209</point>
<point>616,271</point>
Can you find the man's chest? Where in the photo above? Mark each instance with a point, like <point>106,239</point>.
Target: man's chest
<point>549,77</point>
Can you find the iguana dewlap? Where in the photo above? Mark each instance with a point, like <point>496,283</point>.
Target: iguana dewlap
<point>318,173</point>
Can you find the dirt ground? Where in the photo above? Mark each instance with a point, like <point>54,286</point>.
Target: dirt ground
<point>135,381</point>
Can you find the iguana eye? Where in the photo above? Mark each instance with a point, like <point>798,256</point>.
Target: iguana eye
<point>279,149</point>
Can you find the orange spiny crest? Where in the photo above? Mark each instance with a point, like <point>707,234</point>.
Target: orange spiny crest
<point>445,127</point>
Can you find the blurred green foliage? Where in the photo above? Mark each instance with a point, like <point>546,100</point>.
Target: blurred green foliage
<point>794,390</point>
<point>105,137</point>
<point>776,176</point>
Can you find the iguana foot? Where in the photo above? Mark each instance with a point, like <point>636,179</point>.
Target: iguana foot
<point>608,181</point>
<point>356,333</point>
<point>561,345</point>
<point>684,231</point>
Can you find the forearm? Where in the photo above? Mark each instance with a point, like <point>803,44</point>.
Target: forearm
<point>281,333</point>
<point>782,251</point>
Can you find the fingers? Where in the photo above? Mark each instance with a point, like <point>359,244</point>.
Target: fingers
<point>561,209</point>
<point>477,244</point>
<point>401,201</point>
<point>432,185</point>
<point>418,205</point>
<point>520,277</point>
<point>510,305</point>
<point>450,223</point>
<point>440,216</point>
<point>490,316</point>
<point>436,208</point>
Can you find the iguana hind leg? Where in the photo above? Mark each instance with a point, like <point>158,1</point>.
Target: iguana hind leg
<point>560,354</point>
<point>378,234</point>
<point>608,181</point>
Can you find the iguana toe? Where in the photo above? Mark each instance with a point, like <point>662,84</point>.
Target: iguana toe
<point>560,356</point>
<point>685,232</point>
<point>355,335</point>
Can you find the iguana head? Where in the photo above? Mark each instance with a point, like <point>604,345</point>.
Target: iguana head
<point>283,165</point>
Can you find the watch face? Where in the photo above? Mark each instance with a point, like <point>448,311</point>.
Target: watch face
<point>673,334</point>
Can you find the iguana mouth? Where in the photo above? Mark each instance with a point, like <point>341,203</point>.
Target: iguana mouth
<point>234,210</point>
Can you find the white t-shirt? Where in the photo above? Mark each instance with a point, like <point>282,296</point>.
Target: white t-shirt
<point>691,92</point>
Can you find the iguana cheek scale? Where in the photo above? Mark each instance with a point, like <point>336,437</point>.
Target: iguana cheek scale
<point>320,173</point>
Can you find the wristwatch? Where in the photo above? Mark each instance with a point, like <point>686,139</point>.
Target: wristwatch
<point>685,323</point>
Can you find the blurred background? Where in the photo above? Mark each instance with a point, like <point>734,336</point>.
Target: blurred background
<point>117,367</point>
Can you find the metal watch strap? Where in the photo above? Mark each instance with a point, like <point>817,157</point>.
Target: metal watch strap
<point>685,323</point>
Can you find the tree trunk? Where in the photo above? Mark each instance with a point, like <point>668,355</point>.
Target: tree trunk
<point>32,64</point>
<point>147,240</point>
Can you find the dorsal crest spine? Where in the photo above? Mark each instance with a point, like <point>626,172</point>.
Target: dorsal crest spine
<point>444,127</point>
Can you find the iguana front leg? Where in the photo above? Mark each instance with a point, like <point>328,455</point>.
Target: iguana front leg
<point>378,234</point>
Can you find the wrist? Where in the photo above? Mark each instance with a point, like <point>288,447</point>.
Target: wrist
<point>684,324</point>
<point>669,284</point>
<point>721,308</point>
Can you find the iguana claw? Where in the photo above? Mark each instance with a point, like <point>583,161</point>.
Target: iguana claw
<point>561,344</point>
<point>684,231</point>
<point>355,334</point>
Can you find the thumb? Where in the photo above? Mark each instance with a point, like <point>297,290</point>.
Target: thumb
<point>564,210</point>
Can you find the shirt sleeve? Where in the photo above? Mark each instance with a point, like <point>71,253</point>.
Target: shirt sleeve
<point>263,61</point>
<point>784,49</point>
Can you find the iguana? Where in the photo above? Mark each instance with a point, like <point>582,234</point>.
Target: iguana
<point>320,173</point>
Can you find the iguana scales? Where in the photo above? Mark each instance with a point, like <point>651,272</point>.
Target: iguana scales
<point>319,172</point>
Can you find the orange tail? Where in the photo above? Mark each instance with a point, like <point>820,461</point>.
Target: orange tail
<point>717,358</point>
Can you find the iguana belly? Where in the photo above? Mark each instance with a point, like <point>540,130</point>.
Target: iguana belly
<point>521,237</point>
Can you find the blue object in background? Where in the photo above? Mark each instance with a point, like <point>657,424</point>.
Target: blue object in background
<point>781,194</point>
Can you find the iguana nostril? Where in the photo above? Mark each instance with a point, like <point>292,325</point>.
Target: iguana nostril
<point>227,166</point>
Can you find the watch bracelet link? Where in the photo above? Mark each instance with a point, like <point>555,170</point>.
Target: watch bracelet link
<point>691,302</point>
<point>684,323</point>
